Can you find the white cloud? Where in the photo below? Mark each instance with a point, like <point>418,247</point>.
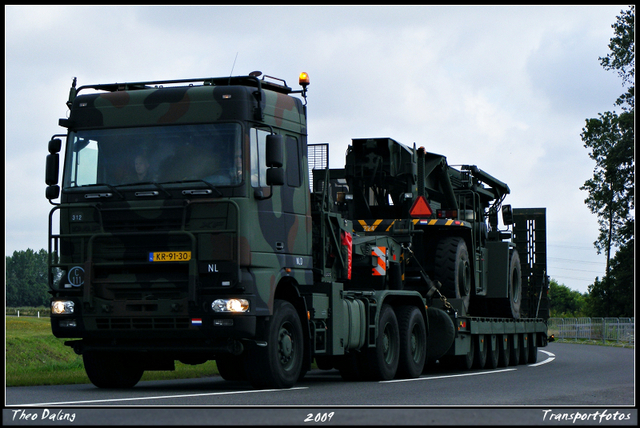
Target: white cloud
<point>504,88</point>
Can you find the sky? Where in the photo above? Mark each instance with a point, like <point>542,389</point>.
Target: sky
<point>505,88</point>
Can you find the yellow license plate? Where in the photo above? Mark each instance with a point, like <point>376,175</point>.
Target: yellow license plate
<point>170,256</point>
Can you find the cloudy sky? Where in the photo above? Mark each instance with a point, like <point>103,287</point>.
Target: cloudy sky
<point>505,88</point>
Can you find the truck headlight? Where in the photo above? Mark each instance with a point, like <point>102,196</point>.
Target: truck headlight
<point>230,305</point>
<point>62,307</point>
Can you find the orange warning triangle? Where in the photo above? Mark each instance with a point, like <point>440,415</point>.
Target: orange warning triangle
<point>420,208</point>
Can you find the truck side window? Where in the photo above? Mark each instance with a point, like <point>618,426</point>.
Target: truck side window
<point>258,160</point>
<point>293,162</point>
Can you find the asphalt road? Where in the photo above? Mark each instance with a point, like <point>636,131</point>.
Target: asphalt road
<point>568,378</point>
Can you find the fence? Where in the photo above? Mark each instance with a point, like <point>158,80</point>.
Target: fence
<point>620,330</point>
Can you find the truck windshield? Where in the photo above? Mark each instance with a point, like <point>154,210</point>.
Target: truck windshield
<point>158,154</point>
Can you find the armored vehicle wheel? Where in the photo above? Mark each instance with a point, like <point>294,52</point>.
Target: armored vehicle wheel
<point>382,361</point>
<point>453,269</point>
<point>504,349</point>
<point>481,351</point>
<point>493,353</point>
<point>510,306</point>
<point>112,369</point>
<point>279,364</point>
<point>413,342</point>
<point>231,367</point>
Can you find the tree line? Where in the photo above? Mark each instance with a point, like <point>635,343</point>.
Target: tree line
<point>26,285</point>
<point>26,278</point>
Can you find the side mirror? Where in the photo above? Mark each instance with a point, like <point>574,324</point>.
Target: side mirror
<point>52,169</point>
<point>275,177</point>
<point>55,145</point>
<point>52,192</point>
<point>274,151</point>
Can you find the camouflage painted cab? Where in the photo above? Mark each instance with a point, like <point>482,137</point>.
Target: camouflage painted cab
<point>183,205</point>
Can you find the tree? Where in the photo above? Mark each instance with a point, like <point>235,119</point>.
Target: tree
<point>613,296</point>
<point>26,278</point>
<point>565,302</point>
<point>610,139</point>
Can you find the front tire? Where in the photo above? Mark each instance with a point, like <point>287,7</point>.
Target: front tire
<point>112,369</point>
<point>279,364</point>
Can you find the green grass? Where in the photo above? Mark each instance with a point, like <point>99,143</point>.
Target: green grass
<point>34,356</point>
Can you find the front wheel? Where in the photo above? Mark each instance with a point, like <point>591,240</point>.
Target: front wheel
<point>112,369</point>
<point>279,364</point>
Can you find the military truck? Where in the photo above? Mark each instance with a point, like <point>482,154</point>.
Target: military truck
<point>196,223</point>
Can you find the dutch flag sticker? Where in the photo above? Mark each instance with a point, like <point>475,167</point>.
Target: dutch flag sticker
<point>196,321</point>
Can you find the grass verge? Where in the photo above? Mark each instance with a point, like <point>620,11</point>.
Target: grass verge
<point>34,356</point>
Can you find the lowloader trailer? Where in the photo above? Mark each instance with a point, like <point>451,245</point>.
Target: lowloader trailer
<point>196,223</point>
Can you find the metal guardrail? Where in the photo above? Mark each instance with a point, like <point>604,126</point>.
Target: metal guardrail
<point>620,330</point>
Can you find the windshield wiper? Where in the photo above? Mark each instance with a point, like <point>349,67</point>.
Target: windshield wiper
<point>196,191</point>
<point>144,183</point>
<point>100,195</point>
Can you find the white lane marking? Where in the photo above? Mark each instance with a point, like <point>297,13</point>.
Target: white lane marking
<point>449,376</point>
<point>160,397</point>
<point>548,360</point>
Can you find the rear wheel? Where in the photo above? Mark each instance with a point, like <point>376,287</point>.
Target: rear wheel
<point>279,364</point>
<point>382,361</point>
<point>112,369</point>
<point>413,342</point>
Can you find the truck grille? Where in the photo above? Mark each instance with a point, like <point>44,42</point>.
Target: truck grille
<point>145,323</point>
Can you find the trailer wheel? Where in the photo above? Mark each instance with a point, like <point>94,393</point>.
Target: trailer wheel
<point>465,362</point>
<point>453,269</point>
<point>413,342</point>
<point>493,352</point>
<point>533,349</point>
<point>481,351</point>
<point>112,369</point>
<point>524,348</point>
<point>382,361</point>
<point>514,358</point>
<point>504,349</point>
<point>231,367</point>
<point>279,364</point>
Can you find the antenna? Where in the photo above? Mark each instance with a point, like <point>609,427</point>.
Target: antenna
<point>232,67</point>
